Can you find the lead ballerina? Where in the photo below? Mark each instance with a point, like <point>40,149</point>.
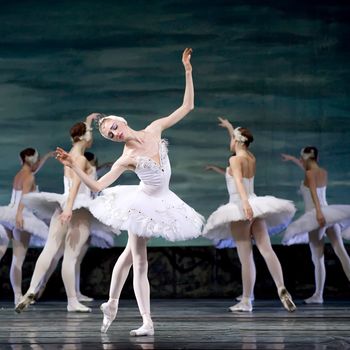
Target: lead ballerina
<point>147,210</point>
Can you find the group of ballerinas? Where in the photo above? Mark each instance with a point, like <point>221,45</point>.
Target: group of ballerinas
<point>150,209</point>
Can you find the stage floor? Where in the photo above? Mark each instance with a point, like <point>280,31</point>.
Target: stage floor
<point>179,324</point>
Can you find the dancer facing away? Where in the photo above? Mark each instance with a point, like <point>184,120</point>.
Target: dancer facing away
<point>19,222</point>
<point>320,219</point>
<point>70,223</point>
<point>147,210</point>
<point>248,217</point>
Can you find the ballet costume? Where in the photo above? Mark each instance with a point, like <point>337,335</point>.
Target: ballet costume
<point>297,231</point>
<point>277,213</point>
<point>36,228</point>
<point>48,206</point>
<point>147,210</point>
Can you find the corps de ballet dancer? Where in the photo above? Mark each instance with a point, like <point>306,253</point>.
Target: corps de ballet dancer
<point>146,210</point>
<point>318,221</point>
<point>70,223</point>
<point>20,224</point>
<point>247,217</point>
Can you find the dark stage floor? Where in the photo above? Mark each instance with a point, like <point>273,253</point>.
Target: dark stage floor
<point>179,324</point>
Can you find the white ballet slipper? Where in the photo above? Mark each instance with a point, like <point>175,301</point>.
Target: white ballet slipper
<point>243,306</point>
<point>109,315</point>
<point>25,302</point>
<point>75,306</point>
<point>286,299</point>
<point>314,299</point>
<point>145,330</point>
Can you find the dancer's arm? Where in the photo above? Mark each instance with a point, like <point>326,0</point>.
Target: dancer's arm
<point>224,123</point>
<point>311,181</point>
<point>188,101</point>
<point>288,157</point>
<point>73,191</point>
<point>43,161</point>
<point>236,168</point>
<point>27,186</point>
<point>96,186</point>
<point>216,169</point>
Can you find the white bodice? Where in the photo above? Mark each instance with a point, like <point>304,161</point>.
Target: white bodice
<point>83,189</point>
<point>232,189</point>
<point>17,195</point>
<point>154,177</point>
<point>308,202</point>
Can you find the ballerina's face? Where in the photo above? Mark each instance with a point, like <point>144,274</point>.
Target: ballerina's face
<point>114,130</point>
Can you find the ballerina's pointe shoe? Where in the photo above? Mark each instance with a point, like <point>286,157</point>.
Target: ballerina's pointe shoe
<point>145,330</point>
<point>286,300</point>
<point>25,302</point>
<point>315,299</point>
<point>109,315</point>
<point>18,298</point>
<point>242,306</point>
<point>75,306</point>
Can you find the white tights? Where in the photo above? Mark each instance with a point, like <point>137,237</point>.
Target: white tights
<point>20,243</point>
<point>243,232</point>
<point>135,254</point>
<point>317,253</point>
<point>73,236</point>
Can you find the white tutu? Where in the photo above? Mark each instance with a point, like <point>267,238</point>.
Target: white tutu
<point>276,212</point>
<point>44,204</point>
<point>31,223</point>
<point>297,231</point>
<point>149,209</point>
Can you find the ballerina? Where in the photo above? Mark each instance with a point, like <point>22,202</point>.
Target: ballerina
<point>319,220</point>
<point>147,210</point>
<point>70,222</point>
<point>19,223</point>
<point>248,217</point>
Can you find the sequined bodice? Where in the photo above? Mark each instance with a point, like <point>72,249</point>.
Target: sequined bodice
<point>83,189</point>
<point>308,202</point>
<point>154,177</point>
<point>232,189</point>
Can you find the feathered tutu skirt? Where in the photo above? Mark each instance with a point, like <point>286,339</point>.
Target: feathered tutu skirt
<point>44,204</point>
<point>297,231</point>
<point>163,215</point>
<point>276,212</point>
<point>31,223</point>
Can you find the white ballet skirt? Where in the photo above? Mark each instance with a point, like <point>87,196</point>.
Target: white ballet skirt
<point>149,209</point>
<point>276,212</point>
<point>31,223</point>
<point>44,204</point>
<point>297,231</point>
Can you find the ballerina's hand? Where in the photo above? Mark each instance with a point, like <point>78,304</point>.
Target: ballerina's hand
<point>186,57</point>
<point>224,123</point>
<point>320,219</point>
<point>65,216</point>
<point>209,167</point>
<point>19,221</point>
<point>286,157</point>
<point>63,157</point>
<point>92,116</point>
<point>248,211</point>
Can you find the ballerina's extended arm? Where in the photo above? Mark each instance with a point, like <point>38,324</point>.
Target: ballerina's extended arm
<point>296,161</point>
<point>188,101</point>
<point>216,169</point>
<point>96,186</point>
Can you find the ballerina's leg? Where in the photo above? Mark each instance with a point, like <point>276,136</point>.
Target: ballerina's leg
<point>317,255</point>
<point>119,275</point>
<point>77,235</point>
<point>241,234</point>
<point>20,244</point>
<point>263,242</point>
